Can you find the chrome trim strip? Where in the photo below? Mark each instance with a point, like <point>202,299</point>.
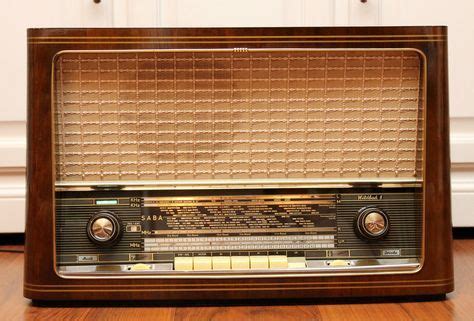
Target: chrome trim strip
<point>319,268</point>
<point>237,184</point>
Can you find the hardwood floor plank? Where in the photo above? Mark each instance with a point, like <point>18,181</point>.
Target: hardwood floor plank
<point>11,282</point>
<point>428,311</point>
<point>124,313</point>
<point>250,313</point>
<point>461,301</point>
<point>364,312</point>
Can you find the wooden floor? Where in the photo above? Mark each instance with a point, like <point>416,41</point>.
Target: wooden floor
<point>459,305</point>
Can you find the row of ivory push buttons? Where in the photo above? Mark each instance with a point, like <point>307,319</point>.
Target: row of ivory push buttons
<point>204,263</point>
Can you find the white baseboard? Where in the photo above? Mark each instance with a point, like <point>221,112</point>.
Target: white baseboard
<point>12,176</point>
<point>462,141</point>
<point>462,171</point>
<point>462,209</point>
<point>12,200</point>
<point>12,215</point>
<point>462,193</point>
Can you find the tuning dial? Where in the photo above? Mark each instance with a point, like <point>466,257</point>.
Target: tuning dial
<point>372,223</point>
<point>104,228</point>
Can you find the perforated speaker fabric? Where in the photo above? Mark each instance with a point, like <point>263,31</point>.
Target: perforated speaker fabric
<point>225,115</point>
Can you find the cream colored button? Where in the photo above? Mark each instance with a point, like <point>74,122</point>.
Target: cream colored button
<point>239,262</point>
<point>221,262</point>
<point>278,261</point>
<point>183,263</point>
<point>296,262</point>
<point>140,267</point>
<point>339,263</point>
<point>202,263</point>
<point>259,262</point>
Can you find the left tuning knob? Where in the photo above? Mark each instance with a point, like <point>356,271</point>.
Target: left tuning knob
<point>104,228</point>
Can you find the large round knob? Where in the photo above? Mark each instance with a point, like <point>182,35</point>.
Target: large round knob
<point>372,223</point>
<point>104,228</point>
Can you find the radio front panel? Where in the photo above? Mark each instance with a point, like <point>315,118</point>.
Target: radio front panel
<point>238,232</point>
<point>236,162</point>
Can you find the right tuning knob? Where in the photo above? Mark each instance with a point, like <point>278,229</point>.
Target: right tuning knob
<point>372,223</point>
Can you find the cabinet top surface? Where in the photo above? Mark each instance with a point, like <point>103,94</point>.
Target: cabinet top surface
<point>247,31</point>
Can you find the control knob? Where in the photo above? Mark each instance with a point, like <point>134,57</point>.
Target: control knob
<point>104,228</point>
<point>372,223</point>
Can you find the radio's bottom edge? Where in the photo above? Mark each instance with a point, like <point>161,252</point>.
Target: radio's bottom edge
<point>231,291</point>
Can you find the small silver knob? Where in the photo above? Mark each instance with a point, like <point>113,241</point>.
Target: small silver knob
<point>372,223</point>
<point>104,228</point>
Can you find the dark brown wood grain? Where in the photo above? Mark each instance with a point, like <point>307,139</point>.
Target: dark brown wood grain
<point>457,306</point>
<point>41,282</point>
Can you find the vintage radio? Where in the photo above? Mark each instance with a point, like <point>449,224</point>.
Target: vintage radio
<point>237,163</point>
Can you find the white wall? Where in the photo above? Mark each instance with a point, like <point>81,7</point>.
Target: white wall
<point>18,15</point>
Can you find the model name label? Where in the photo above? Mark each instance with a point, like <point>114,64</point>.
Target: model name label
<point>369,197</point>
<point>392,252</point>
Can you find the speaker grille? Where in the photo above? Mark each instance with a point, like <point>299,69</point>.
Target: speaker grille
<point>224,114</point>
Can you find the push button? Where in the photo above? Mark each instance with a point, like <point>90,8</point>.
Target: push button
<point>259,262</point>
<point>339,263</point>
<point>221,262</point>
<point>202,263</point>
<point>240,262</point>
<point>278,261</point>
<point>183,263</point>
<point>296,262</point>
<point>140,267</point>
